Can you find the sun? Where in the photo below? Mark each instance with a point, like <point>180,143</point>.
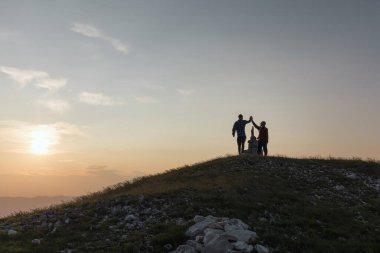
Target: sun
<point>40,147</point>
<point>42,139</point>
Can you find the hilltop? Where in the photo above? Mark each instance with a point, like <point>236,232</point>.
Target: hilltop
<point>294,205</point>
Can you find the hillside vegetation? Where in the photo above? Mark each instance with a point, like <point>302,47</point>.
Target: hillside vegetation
<point>294,205</point>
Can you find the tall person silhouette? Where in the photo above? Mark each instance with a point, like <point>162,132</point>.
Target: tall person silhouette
<point>239,128</point>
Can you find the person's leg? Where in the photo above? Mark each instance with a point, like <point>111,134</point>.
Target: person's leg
<point>242,143</point>
<point>265,146</point>
<point>239,144</point>
<point>259,147</point>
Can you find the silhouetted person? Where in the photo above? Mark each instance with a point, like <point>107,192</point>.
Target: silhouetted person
<point>239,128</point>
<point>263,138</point>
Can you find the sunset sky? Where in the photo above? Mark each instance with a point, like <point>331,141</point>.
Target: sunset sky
<point>96,92</point>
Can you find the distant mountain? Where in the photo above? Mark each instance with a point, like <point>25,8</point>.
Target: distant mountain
<point>9,205</point>
<point>294,205</point>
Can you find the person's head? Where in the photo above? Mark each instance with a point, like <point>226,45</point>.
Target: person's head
<point>240,116</point>
<point>263,123</point>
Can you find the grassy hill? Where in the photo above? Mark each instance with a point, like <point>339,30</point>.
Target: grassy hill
<point>294,205</point>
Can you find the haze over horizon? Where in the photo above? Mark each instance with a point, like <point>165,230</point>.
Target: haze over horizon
<point>97,92</point>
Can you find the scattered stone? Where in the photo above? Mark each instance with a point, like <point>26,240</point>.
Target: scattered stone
<point>130,217</point>
<point>168,246</point>
<point>197,228</point>
<point>12,232</point>
<point>36,241</point>
<point>261,249</point>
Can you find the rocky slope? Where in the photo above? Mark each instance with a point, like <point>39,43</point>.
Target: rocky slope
<point>293,205</point>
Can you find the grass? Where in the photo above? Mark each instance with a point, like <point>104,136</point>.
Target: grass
<point>292,204</point>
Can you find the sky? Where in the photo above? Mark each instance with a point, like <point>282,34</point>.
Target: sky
<point>97,92</point>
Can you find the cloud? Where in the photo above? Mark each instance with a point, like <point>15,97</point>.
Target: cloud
<point>93,32</point>
<point>146,100</point>
<point>97,99</point>
<point>185,92</point>
<point>19,137</point>
<point>55,105</point>
<point>119,46</point>
<point>51,84</point>
<point>37,78</point>
<point>86,30</point>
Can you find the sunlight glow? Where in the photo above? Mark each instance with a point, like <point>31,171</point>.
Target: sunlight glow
<point>42,138</point>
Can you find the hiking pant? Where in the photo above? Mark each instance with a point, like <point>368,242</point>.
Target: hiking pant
<point>240,143</point>
<point>262,145</point>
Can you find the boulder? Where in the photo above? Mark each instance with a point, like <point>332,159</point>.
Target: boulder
<point>261,249</point>
<point>210,234</point>
<point>219,244</point>
<point>235,224</point>
<point>240,245</point>
<point>198,218</point>
<point>198,246</point>
<point>198,228</point>
<point>242,235</point>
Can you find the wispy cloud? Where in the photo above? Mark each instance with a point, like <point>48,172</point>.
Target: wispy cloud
<point>93,32</point>
<point>146,100</point>
<point>37,78</point>
<point>98,99</point>
<point>20,136</point>
<point>185,92</point>
<point>86,30</point>
<point>55,105</point>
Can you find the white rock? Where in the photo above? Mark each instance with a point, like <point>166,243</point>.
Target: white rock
<point>249,249</point>
<point>36,241</point>
<point>12,232</point>
<point>130,217</point>
<point>210,234</point>
<point>198,218</point>
<point>67,221</point>
<point>198,228</point>
<point>235,224</point>
<point>219,244</point>
<point>339,187</point>
<point>195,245</point>
<point>261,249</point>
<point>242,235</point>
<point>240,245</point>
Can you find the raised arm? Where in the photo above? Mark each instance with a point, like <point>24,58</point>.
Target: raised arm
<point>256,126</point>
